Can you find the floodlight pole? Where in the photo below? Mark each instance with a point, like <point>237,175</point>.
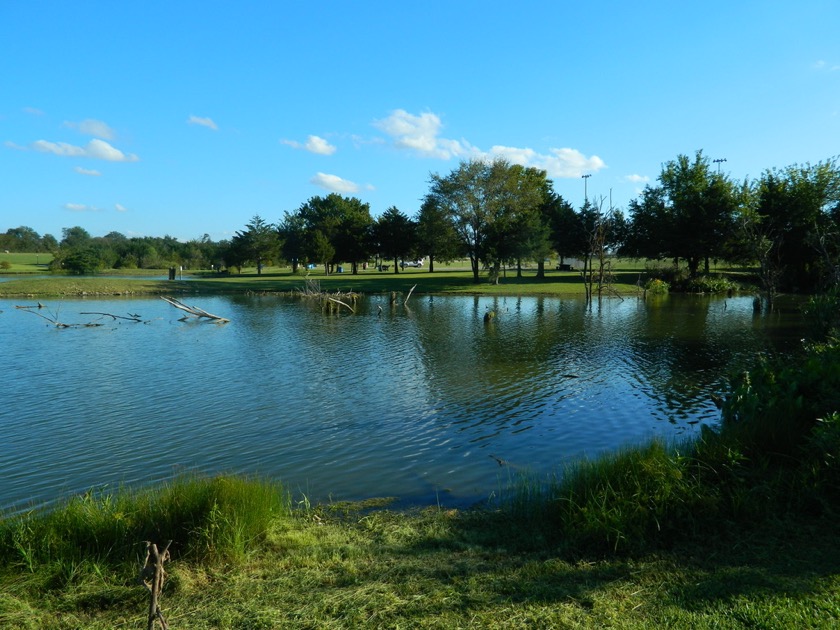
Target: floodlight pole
<point>585,189</point>
<point>718,161</point>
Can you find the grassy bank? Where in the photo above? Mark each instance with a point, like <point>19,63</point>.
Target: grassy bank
<point>735,529</point>
<point>452,278</point>
<point>339,567</point>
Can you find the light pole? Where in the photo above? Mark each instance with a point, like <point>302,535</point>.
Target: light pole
<point>585,182</point>
<point>718,161</point>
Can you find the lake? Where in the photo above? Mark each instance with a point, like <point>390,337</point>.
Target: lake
<point>417,402</point>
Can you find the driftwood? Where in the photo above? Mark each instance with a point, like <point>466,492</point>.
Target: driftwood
<point>53,319</point>
<point>152,576</point>
<point>409,295</point>
<point>332,299</point>
<point>131,317</point>
<point>193,310</point>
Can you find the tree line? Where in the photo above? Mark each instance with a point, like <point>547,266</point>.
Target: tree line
<point>497,214</point>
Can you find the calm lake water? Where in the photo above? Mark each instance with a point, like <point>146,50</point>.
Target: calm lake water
<point>411,402</point>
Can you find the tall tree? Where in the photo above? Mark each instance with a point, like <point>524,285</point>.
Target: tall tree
<point>486,202</point>
<point>436,235</point>
<point>345,223</point>
<point>793,211</point>
<point>395,236</point>
<point>258,243</point>
<point>292,233</point>
<point>702,206</point>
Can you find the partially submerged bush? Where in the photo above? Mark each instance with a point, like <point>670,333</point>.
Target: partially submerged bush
<point>657,287</point>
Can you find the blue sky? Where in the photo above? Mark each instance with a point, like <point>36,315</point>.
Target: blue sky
<point>185,118</point>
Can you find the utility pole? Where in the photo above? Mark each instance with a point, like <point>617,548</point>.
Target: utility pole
<point>585,182</point>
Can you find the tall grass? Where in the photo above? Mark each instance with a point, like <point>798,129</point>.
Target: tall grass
<point>206,518</point>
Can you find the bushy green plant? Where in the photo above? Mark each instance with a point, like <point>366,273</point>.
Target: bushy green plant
<point>630,499</point>
<point>656,286</point>
<point>206,518</point>
<point>707,284</point>
<point>822,314</point>
<point>773,407</point>
<point>5,264</point>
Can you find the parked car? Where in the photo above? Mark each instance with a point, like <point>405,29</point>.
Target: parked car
<point>411,263</point>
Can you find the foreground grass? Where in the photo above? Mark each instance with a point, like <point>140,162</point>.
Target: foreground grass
<point>348,567</point>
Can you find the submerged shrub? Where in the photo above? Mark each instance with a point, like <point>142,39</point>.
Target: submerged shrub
<point>657,287</point>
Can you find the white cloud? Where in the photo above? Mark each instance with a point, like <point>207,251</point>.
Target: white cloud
<point>87,171</point>
<point>334,183</point>
<point>420,135</point>
<point>636,179</point>
<point>34,111</point>
<point>120,208</point>
<point>95,149</point>
<point>560,163</point>
<point>80,207</point>
<point>203,122</point>
<point>314,144</point>
<point>91,127</point>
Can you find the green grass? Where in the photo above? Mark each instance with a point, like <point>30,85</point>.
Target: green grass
<point>348,567</point>
<point>447,280</point>
<point>25,262</point>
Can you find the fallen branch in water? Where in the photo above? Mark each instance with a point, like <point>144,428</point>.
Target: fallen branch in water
<point>193,310</point>
<point>53,319</point>
<point>131,318</point>
<point>409,295</point>
<point>332,299</point>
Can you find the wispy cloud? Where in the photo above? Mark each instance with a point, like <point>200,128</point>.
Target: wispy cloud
<point>91,127</point>
<point>636,179</point>
<point>314,144</point>
<point>202,122</point>
<point>420,134</point>
<point>120,208</point>
<point>87,171</point>
<point>95,149</point>
<point>823,65</point>
<point>80,207</point>
<point>33,111</point>
<point>334,183</point>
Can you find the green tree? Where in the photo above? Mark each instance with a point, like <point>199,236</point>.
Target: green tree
<point>436,235</point>
<point>791,216</point>
<point>292,233</point>
<point>83,260</point>
<point>702,206</point>
<point>486,202</point>
<point>74,237</point>
<point>258,243</point>
<point>22,239</point>
<point>395,236</point>
<point>345,223</point>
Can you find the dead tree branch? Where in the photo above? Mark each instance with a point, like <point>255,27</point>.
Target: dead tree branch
<point>193,310</point>
<point>152,576</point>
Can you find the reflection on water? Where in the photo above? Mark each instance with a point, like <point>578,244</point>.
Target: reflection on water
<point>410,402</point>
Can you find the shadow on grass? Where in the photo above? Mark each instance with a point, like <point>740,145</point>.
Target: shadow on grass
<point>793,559</point>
